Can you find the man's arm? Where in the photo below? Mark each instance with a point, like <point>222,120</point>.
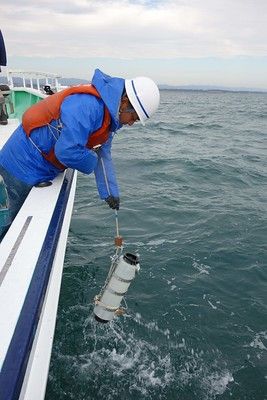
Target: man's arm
<point>105,173</point>
<point>81,114</point>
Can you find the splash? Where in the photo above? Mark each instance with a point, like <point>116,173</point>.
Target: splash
<point>156,361</point>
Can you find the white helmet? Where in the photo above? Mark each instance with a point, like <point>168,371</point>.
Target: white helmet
<point>143,94</point>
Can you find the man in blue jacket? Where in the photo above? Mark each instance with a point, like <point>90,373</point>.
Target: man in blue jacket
<point>22,164</point>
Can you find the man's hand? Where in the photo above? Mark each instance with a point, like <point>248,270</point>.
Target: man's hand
<point>96,148</point>
<point>113,202</point>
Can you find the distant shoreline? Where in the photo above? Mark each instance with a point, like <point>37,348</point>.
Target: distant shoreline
<point>214,90</point>
<point>162,87</point>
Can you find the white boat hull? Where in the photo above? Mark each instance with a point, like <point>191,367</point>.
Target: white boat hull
<point>31,263</point>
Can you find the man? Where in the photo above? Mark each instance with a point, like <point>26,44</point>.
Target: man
<point>3,61</point>
<point>74,128</point>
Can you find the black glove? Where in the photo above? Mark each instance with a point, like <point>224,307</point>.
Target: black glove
<point>97,148</point>
<point>113,202</point>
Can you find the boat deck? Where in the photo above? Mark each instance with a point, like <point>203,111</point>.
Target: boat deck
<point>6,130</point>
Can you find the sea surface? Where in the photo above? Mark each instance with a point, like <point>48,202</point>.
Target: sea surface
<point>193,186</point>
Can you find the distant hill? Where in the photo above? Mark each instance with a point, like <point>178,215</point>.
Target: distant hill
<point>206,88</point>
<point>211,88</point>
<point>72,81</point>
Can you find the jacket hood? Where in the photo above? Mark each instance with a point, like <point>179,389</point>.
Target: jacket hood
<point>110,90</point>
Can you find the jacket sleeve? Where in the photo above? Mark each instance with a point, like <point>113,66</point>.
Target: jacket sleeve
<point>81,114</point>
<point>105,173</point>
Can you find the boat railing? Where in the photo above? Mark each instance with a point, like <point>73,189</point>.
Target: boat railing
<point>33,79</point>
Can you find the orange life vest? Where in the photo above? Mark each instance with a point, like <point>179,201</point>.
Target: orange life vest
<point>43,112</point>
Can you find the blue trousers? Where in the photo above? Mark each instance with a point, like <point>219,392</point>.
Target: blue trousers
<point>17,192</point>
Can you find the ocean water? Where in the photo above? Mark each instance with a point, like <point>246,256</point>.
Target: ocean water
<point>194,207</point>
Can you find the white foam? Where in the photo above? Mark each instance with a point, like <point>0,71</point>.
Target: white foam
<point>257,341</point>
<point>216,383</point>
<point>201,268</point>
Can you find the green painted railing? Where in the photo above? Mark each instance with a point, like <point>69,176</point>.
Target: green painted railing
<point>20,101</point>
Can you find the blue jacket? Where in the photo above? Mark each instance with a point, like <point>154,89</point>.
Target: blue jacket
<point>81,114</point>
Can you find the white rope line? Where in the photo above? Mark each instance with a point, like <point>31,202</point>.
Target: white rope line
<point>108,189</point>
<point>35,145</point>
<point>117,223</point>
<point>105,175</point>
<point>114,261</point>
<point>51,131</point>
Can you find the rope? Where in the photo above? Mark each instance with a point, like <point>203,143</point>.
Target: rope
<point>118,252</point>
<point>116,310</point>
<point>108,308</point>
<point>57,128</point>
<point>114,261</point>
<point>105,175</point>
<point>51,131</point>
<point>117,222</point>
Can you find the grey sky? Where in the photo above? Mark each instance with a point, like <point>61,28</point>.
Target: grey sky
<point>132,33</point>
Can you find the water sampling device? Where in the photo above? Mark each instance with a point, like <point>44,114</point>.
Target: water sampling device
<point>122,271</point>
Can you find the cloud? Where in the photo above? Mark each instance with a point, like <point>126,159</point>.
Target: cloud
<point>135,29</point>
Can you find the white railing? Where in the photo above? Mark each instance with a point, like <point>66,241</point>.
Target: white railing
<point>32,78</point>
